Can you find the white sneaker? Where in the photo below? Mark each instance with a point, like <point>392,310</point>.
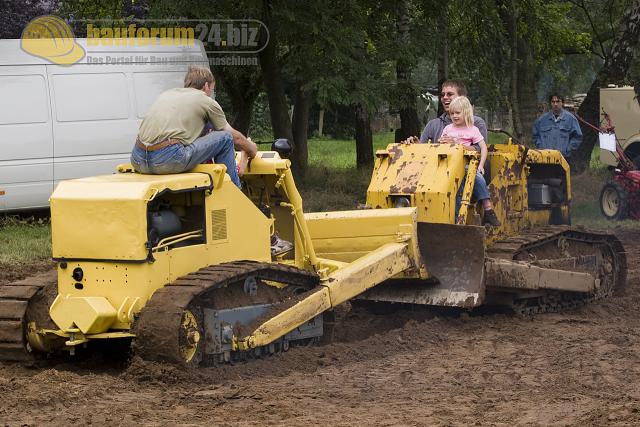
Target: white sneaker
<point>279,246</point>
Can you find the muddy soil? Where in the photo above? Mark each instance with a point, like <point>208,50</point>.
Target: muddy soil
<point>412,367</point>
<point>12,272</point>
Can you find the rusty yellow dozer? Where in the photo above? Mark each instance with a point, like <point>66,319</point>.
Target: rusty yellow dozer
<point>181,265</point>
<point>533,262</point>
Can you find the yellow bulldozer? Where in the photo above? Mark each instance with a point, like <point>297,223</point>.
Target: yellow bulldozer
<point>181,267</point>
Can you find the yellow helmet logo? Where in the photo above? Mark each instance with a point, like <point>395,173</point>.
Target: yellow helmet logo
<point>51,38</point>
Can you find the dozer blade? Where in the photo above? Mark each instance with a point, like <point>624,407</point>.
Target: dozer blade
<point>342,285</point>
<point>454,256</point>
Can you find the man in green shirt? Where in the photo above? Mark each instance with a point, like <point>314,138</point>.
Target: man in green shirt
<point>171,140</point>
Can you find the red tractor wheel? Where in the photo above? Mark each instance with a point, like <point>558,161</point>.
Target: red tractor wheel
<point>614,201</point>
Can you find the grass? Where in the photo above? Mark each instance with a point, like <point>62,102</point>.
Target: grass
<point>341,153</point>
<point>585,208</point>
<point>23,241</point>
<point>332,183</point>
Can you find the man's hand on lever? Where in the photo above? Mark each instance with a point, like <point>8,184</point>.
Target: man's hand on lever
<point>243,163</point>
<point>410,140</point>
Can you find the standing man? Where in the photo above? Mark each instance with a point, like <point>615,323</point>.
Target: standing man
<point>451,89</point>
<point>171,140</point>
<point>557,129</point>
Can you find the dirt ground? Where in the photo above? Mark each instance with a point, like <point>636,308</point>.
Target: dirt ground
<point>580,367</point>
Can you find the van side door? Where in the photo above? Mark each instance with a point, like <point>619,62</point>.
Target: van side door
<point>94,128</point>
<point>26,154</point>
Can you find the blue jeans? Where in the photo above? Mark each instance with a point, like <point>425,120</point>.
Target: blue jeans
<point>480,190</point>
<point>179,158</point>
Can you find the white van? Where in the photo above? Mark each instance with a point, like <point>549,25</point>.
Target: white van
<point>623,107</point>
<point>62,122</point>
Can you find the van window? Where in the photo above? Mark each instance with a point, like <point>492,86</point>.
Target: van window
<point>97,96</point>
<point>148,86</point>
<point>24,99</point>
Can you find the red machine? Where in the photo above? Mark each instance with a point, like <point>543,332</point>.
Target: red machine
<point>620,197</point>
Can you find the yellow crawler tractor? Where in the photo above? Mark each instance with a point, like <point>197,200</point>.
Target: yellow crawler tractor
<point>181,265</point>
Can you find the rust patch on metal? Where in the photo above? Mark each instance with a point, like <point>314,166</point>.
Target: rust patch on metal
<point>396,153</point>
<point>454,255</point>
<point>502,193</point>
<point>493,193</point>
<point>408,176</point>
<point>415,292</point>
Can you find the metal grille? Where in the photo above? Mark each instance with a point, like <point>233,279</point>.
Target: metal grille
<point>219,224</point>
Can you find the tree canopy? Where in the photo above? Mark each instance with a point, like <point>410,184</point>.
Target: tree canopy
<point>368,56</point>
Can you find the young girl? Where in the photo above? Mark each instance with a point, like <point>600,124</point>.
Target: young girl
<point>462,131</point>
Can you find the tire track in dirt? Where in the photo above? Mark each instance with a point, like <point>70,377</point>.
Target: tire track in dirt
<point>579,367</point>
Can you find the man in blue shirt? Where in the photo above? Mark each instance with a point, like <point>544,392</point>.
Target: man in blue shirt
<point>451,89</point>
<point>557,129</point>
<point>432,132</point>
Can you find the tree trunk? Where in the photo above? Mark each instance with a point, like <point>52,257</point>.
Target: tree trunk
<point>272,76</point>
<point>320,122</point>
<point>513,81</point>
<point>442,54</point>
<point>242,94</point>
<point>300,157</point>
<point>528,73</point>
<point>614,71</point>
<point>364,137</point>
<point>407,95</point>
<point>242,114</point>
<point>243,87</point>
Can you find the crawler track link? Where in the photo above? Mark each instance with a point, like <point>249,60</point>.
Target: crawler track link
<point>14,301</point>
<point>523,246</point>
<point>159,335</point>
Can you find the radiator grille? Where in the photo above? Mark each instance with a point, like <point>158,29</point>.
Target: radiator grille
<point>219,224</point>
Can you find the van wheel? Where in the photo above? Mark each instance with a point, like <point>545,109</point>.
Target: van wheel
<point>614,203</point>
<point>636,162</point>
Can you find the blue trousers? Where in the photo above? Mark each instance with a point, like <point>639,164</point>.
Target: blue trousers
<point>480,190</point>
<point>179,158</point>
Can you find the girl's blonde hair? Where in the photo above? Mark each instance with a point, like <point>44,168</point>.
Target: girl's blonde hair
<point>462,104</point>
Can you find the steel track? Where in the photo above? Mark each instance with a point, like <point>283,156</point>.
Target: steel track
<point>554,301</point>
<point>158,326</point>
<point>14,301</point>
